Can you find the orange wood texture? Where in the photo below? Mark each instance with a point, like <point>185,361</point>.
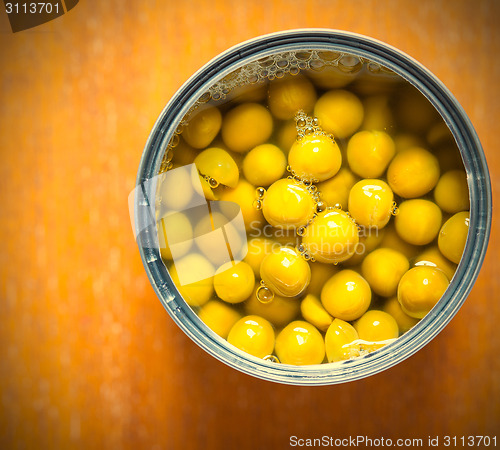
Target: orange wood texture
<point>88,356</point>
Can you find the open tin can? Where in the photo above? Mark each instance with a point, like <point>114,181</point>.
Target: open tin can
<point>273,56</point>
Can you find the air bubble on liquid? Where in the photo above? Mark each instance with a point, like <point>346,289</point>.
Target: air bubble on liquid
<point>257,204</point>
<point>264,294</point>
<point>174,141</point>
<point>301,231</point>
<point>205,97</point>
<point>320,206</point>
<point>337,206</point>
<point>212,182</point>
<point>260,191</point>
<point>303,56</point>
<point>395,209</point>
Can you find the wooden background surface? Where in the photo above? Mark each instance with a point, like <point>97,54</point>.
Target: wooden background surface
<point>88,356</point>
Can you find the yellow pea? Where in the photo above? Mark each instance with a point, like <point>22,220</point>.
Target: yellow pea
<point>194,266</point>
<point>300,343</point>
<point>174,230</point>
<point>453,236</point>
<point>218,164</point>
<point>341,341</point>
<point>377,328</point>
<point>315,158</point>
<point>290,94</point>
<point>285,272</point>
<point>253,335</point>
<point>347,295</point>
<point>288,204</point>
<point>383,269</point>
<point>413,172</point>
<point>313,311</point>
<point>332,237</point>
<point>219,317</point>
<point>246,126</point>
<point>418,221</point>
<point>234,283</point>
<point>370,152</point>
<point>420,289</point>
<point>339,112</point>
<point>203,127</point>
<point>452,192</point>
<point>371,203</point>
<point>264,165</point>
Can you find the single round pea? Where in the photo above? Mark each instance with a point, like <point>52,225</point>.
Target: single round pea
<point>347,295</point>
<point>194,266</point>
<point>369,153</point>
<point>219,317</point>
<point>335,191</point>
<point>375,326</point>
<point>280,311</point>
<point>332,237</point>
<point>452,192</point>
<point>175,190</point>
<point>234,283</point>
<point>290,94</point>
<point>371,203</point>
<point>341,341</point>
<point>434,258</point>
<point>313,311</point>
<point>413,172</point>
<point>203,127</point>
<point>288,204</point>
<point>246,126</point>
<point>244,195</point>
<point>453,236</point>
<point>300,343</point>
<point>315,158</point>
<point>383,268</point>
<point>174,230</point>
<point>404,321</point>
<point>420,289</point>
<point>339,112</point>
<point>253,335</point>
<point>285,272</point>
<point>264,165</point>
<point>418,221</point>
<point>218,164</point>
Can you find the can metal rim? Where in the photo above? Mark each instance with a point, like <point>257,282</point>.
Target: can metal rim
<point>479,191</point>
